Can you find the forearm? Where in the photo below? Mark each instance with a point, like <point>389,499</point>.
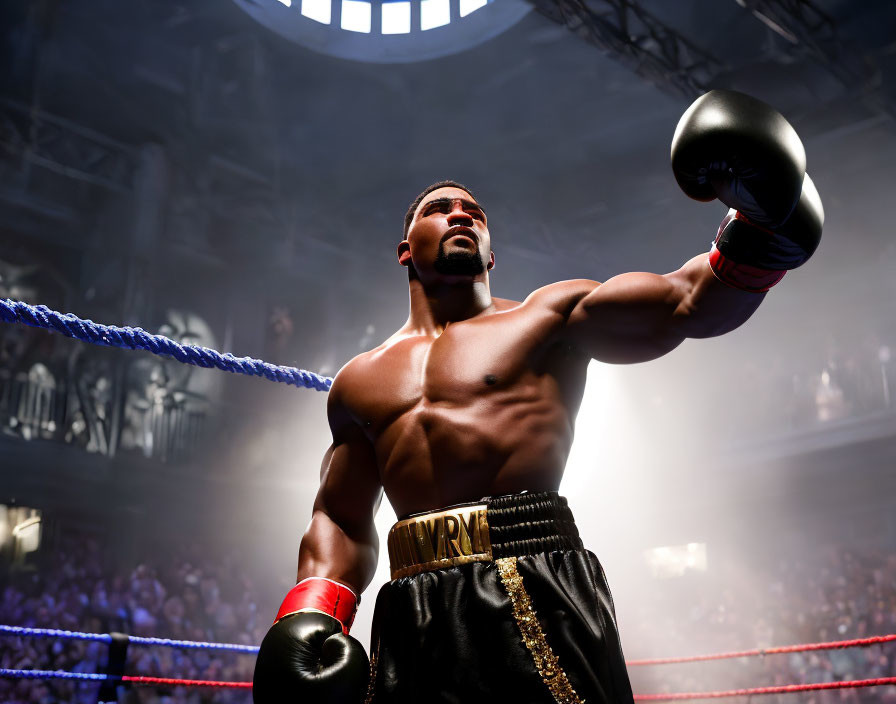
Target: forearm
<point>308,654</point>
<point>639,316</point>
<point>343,553</point>
<point>705,307</point>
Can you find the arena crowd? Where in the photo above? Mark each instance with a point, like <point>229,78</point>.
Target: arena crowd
<point>838,594</point>
<point>190,596</point>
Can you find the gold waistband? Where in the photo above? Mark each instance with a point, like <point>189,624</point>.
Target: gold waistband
<point>440,539</point>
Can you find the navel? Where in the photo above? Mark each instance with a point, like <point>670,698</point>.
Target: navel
<point>491,379</point>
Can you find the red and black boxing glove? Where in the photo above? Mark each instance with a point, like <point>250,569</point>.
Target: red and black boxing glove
<point>753,258</point>
<point>307,655</point>
<point>735,148</point>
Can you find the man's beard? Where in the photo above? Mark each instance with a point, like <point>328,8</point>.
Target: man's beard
<point>462,263</point>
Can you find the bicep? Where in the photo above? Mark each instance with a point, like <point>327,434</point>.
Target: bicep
<point>341,542</point>
<point>350,488</point>
<point>631,317</point>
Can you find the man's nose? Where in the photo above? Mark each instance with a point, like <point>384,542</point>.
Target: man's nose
<point>458,216</point>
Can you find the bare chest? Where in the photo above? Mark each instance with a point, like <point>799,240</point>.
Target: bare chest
<point>469,362</point>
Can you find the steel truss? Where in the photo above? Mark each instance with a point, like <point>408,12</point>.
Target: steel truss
<point>631,34</point>
<point>62,146</point>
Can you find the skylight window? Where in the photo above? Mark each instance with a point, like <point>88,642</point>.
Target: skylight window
<point>317,10</point>
<point>356,16</point>
<point>434,13</point>
<point>468,6</point>
<point>396,17</point>
<point>386,31</point>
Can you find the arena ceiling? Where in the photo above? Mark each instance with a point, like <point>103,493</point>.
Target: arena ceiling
<point>550,114</point>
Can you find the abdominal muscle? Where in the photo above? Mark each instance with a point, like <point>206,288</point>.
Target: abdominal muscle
<point>439,453</point>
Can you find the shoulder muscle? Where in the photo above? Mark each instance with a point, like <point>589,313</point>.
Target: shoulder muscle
<point>561,297</point>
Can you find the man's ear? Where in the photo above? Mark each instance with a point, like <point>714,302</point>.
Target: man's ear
<point>491,261</point>
<point>404,253</point>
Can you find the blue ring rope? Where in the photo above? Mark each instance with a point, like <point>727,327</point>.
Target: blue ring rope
<point>139,640</point>
<point>54,633</point>
<point>130,338</point>
<point>194,645</point>
<point>54,675</point>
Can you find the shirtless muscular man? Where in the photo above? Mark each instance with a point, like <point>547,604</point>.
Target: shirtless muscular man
<point>464,417</point>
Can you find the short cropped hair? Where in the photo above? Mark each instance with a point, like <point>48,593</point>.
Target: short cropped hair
<point>409,216</point>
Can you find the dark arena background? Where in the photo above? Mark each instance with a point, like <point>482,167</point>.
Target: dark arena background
<point>234,174</point>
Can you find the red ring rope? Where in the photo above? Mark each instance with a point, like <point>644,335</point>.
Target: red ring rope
<point>137,679</point>
<point>859,642</point>
<point>781,689</point>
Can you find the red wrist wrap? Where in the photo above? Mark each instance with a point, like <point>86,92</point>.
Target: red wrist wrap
<point>743,276</point>
<point>323,595</point>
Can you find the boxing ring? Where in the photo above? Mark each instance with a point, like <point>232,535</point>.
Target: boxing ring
<point>135,338</point>
<point>119,643</point>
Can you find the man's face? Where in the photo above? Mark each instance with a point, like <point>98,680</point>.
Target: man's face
<point>448,237</point>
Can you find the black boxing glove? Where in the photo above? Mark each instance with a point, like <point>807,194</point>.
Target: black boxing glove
<point>730,146</point>
<point>733,147</point>
<point>307,655</point>
<point>752,258</point>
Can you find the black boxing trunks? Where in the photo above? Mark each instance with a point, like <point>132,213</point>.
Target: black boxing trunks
<point>495,601</point>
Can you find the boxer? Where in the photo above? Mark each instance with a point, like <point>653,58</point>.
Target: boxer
<point>464,418</point>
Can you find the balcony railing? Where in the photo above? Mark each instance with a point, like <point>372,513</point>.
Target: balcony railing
<point>102,412</point>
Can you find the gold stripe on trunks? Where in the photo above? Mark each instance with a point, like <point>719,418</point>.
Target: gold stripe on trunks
<point>439,539</point>
<point>371,683</point>
<point>546,662</point>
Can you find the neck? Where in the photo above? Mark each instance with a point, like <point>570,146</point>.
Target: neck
<point>435,306</point>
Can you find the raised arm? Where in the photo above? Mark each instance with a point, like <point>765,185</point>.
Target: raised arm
<point>307,654</point>
<point>735,148</point>
<point>639,316</point>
